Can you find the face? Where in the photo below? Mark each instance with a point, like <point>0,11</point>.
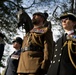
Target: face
<point>37,19</point>
<point>67,24</point>
<point>16,45</point>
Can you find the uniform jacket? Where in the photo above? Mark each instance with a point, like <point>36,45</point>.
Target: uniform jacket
<point>61,64</point>
<point>12,63</point>
<point>39,55</point>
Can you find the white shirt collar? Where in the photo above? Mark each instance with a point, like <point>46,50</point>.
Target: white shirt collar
<point>69,32</point>
<point>17,50</point>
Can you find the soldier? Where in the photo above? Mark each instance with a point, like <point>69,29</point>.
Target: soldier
<point>37,48</point>
<point>2,44</point>
<point>64,60</point>
<point>12,62</point>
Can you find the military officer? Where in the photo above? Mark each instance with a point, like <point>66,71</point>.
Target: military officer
<point>2,44</point>
<point>37,48</point>
<point>64,60</point>
<point>12,62</point>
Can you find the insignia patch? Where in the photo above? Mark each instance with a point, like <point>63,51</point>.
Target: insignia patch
<point>74,36</point>
<point>71,37</point>
<point>38,30</point>
<point>15,57</point>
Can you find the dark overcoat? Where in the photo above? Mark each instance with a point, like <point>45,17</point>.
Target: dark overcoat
<point>12,63</point>
<point>1,50</point>
<point>61,64</point>
<point>2,45</point>
<point>38,56</point>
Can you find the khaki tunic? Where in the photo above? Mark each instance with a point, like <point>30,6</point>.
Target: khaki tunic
<point>31,61</point>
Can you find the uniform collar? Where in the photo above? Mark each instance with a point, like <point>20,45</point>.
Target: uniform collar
<point>38,26</point>
<point>16,51</point>
<point>69,32</point>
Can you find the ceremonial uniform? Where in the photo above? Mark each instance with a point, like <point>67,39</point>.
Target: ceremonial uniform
<point>37,51</point>
<point>12,63</point>
<point>13,60</point>
<point>64,60</point>
<point>61,64</point>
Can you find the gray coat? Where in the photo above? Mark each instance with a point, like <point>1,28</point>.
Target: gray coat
<point>12,63</point>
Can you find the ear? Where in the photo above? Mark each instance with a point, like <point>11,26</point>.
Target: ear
<point>74,25</point>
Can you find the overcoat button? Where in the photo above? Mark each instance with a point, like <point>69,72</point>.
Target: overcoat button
<point>55,49</point>
<point>60,54</point>
<point>58,60</point>
<point>55,55</point>
<point>61,48</point>
<point>53,61</point>
<point>56,45</point>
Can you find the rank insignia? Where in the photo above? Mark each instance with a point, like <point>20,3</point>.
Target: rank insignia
<point>71,37</point>
<point>15,57</point>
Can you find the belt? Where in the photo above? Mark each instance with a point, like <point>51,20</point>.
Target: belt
<point>32,48</point>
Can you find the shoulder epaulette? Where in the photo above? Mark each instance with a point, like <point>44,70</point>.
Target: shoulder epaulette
<point>71,37</point>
